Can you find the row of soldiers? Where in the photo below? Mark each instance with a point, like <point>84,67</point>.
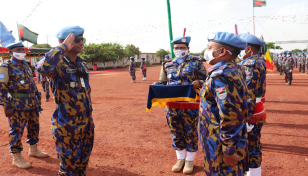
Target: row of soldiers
<point>286,61</point>
<point>231,112</point>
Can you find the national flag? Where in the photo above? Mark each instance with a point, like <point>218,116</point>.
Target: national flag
<point>151,57</point>
<point>268,60</point>
<point>259,3</point>
<point>6,37</point>
<point>26,35</point>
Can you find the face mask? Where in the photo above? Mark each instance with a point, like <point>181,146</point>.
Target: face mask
<point>19,56</point>
<point>180,53</point>
<point>208,55</point>
<point>288,55</point>
<point>242,54</point>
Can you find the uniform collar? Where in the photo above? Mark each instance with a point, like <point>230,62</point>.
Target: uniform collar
<point>249,58</point>
<point>223,64</point>
<point>16,63</point>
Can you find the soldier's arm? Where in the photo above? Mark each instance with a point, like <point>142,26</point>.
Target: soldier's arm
<point>253,85</point>
<point>202,74</point>
<point>232,121</point>
<point>50,65</point>
<point>4,90</point>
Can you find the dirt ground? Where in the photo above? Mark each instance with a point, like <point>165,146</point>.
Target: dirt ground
<point>131,142</point>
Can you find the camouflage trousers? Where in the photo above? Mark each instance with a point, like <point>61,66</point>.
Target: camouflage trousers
<point>45,85</point>
<point>144,72</point>
<point>254,147</point>
<point>183,128</point>
<point>133,75</point>
<point>18,122</point>
<point>74,153</point>
<point>289,76</point>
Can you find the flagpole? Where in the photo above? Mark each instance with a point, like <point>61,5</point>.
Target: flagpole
<point>170,28</point>
<point>253,13</point>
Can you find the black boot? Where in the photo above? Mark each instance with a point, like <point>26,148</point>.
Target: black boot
<point>47,98</point>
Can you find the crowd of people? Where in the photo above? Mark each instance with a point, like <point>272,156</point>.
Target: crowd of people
<point>229,118</point>
<point>286,61</point>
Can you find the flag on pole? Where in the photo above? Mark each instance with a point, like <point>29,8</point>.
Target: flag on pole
<point>259,3</point>
<point>26,35</point>
<point>268,60</point>
<point>6,37</point>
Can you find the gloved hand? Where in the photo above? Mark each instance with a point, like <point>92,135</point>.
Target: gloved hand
<point>249,127</point>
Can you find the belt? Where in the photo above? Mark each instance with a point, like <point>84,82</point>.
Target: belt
<point>22,95</point>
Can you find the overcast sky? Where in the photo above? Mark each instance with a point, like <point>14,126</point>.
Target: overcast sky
<point>144,23</point>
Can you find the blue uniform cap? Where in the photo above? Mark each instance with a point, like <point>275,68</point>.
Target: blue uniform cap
<point>181,40</point>
<point>167,56</point>
<point>64,32</point>
<point>142,58</point>
<point>252,39</point>
<point>132,57</point>
<point>229,39</point>
<point>14,45</point>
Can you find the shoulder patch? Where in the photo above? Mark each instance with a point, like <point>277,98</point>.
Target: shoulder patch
<point>4,74</point>
<point>221,93</point>
<point>217,72</point>
<point>250,62</point>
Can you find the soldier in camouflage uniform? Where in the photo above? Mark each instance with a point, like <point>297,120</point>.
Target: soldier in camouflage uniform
<point>183,70</point>
<point>132,69</point>
<point>72,122</point>
<point>255,73</point>
<point>280,62</point>
<point>306,62</point>
<point>45,84</point>
<point>283,63</point>
<point>289,64</point>
<point>21,102</point>
<point>143,68</point>
<point>300,62</point>
<point>223,108</point>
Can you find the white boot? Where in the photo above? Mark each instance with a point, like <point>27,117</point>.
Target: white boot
<point>189,163</point>
<point>254,171</point>
<point>180,154</point>
<point>35,152</point>
<point>19,161</point>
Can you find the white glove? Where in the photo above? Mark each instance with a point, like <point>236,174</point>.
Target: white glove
<point>249,127</point>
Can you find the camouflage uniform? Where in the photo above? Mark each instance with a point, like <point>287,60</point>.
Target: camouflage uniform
<point>255,73</point>
<point>20,93</point>
<point>132,70</point>
<point>144,70</point>
<point>183,122</point>
<point>45,85</point>
<point>72,122</point>
<point>280,64</point>
<point>222,118</point>
<point>289,63</point>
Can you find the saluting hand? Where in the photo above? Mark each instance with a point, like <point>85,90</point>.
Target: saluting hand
<point>9,112</point>
<point>69,41</point>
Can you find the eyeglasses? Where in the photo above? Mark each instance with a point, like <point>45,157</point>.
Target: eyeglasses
<point>77,40</point>
<point>180,48</point>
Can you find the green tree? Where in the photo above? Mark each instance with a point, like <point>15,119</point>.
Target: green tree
<point>131,50</point>
<point>44,45</point>
<point>161,53</point>
<point>296,51</point>
<point>271,45</point>
<point>117,52</point>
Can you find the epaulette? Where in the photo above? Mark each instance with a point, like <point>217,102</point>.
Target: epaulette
<point>250,62</point>
<point>218,72</point>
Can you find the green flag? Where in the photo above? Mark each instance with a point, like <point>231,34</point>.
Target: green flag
<point>26,35</point>
<point>151,57</point>
<point>259,3</point>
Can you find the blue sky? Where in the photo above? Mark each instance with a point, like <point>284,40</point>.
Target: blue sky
<point>144,22</point>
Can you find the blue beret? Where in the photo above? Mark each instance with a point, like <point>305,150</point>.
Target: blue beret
<point>132,57</point>
<point>251,39</point>
<point>14,45</point>
<point>229,39</point>
<point>181,40</point>
<point>167,56</point>
<point>64,32</point>
<point>142,58</point>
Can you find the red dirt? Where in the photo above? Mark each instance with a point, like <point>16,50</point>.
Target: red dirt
<point>130,141</point>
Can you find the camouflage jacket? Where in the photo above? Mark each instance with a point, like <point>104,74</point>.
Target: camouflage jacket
<point>255,74</point>
<point>132,67</point>
<point>289,64</point>
<point>72,94</point>
<point>182,74</point>
<point>17,78</point>
<point>224,109</point>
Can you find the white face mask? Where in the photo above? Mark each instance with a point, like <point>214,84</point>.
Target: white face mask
<point>208,55</point>
<point>19,56</point>
<point>180,53</point>
<point>242,54</point>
